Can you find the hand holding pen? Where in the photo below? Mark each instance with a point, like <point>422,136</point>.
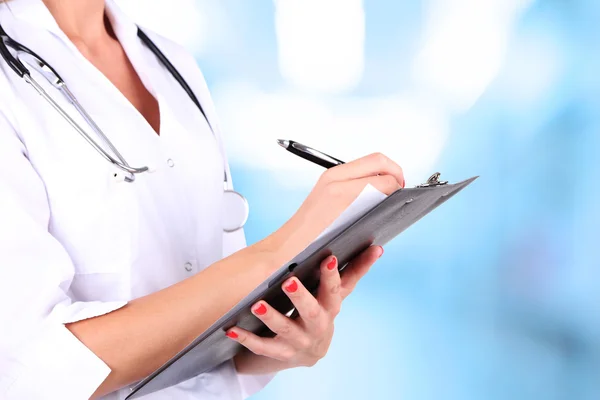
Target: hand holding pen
<point>341,183</point>
<point>305,340</point>
<point>322,159</point>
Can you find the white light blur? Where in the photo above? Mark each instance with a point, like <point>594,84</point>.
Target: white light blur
<point>190,23</point>
<point>534,66</point>
<point>405,129</point>
<point>464,46</point>
<point>321,43</point>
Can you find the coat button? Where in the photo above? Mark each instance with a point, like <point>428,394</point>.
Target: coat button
<point>170,163</point>
<point>188,266</point>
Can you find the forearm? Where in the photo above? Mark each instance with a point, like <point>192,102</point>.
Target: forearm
<point>136,339</point>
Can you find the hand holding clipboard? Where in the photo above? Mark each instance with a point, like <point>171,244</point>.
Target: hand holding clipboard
<point>375,227</point>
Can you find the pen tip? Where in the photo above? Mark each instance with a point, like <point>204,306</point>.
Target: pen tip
<point>283,143</point>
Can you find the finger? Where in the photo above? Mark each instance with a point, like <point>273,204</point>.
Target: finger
<point>284,327</point>
<point>358,267</point>
<point>373,164</point>
<point>386,184</point>
<point>268,347</point>
<point>307,305</point>
<point>330,295</point>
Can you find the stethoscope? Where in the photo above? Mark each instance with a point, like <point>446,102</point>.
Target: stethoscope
<point>235,204</point>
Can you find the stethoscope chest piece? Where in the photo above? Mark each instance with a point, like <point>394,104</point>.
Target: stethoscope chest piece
<point>235,211</point>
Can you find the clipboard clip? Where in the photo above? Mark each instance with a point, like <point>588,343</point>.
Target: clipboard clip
<point>434,180</point>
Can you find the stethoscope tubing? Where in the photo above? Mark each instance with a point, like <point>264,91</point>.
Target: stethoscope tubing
<point>24,54</point>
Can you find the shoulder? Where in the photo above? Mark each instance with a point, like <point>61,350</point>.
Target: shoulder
<point>9,105</point>
<point>187,66</point>
<point>177,54</point>
<point>165,44</point>
<point>10,82</point>
<point>8,99</point>
<point>10,139</point>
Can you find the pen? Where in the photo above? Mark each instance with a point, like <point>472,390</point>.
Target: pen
<point>309,153</point>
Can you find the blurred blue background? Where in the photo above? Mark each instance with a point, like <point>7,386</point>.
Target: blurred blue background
<point>496,294</point>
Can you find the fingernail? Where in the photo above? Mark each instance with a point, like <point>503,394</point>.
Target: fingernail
<point>332,264</point>
<point>232,335</point>
<point>292,286</point>
<point>260,310</point>
<point>380,251</point>
<point>403,183</point>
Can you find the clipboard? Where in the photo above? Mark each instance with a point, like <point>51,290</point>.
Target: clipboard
<point>377,226</point>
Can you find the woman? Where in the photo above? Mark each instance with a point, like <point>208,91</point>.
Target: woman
<point>102,281</point>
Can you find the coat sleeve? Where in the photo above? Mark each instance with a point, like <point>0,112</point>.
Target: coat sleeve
<point>39,357</point>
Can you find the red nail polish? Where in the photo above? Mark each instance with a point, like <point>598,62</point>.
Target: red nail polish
<point>232,335</point>
<point>260,310</point>
<point>292,286</point>
<point>332,264</point>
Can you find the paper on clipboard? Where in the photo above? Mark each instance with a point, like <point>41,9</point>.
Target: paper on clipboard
<point>366,200</point>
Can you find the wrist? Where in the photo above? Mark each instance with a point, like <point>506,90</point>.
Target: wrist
<point>286,242</point>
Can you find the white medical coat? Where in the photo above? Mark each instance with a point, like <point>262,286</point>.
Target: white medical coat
<point>74,241</point>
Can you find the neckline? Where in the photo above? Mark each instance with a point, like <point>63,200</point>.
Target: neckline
<point>36,14</point>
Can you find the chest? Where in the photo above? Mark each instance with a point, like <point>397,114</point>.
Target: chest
<point>125,239</point>
<point>112,61</point>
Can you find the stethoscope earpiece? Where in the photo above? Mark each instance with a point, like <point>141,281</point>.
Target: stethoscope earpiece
<point>117,177</point>
<point>122,176</point>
